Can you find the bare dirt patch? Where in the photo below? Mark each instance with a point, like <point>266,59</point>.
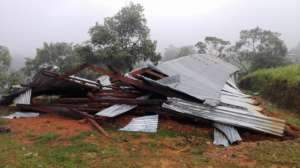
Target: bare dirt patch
<point>26,128</point>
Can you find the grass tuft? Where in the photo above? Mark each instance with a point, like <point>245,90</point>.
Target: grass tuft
<point>46,137</point>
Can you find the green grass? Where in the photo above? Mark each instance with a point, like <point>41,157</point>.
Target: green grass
<point>180,149</point>
<point>268,154</point>
<point>46,137</point>
<point>280,85</point>
<point>3,121</point>
<point>16,155</point>
<point>163,132</point>
<point>290,73</point>
<point>82,135</point>
<point>294,121</point>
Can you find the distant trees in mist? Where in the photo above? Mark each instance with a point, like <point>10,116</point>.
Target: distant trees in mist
<point>256,48</point>
<point>123,41</point>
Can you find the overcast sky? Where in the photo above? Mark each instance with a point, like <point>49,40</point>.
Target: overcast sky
<point>26,24</point>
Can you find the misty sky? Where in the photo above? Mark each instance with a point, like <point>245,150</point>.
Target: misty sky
<point>26,24</point>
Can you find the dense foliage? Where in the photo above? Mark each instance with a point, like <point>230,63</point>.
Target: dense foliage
<point>258,48</point>
<point>281,85</point>
<point>61,55</point>
<point>5,58</point>
<point>7,77</point>
<point>122,40</point>
<point>212,45</point>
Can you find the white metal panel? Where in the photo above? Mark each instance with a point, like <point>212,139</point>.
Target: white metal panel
<point>23,98</point>
<point>142,124</point>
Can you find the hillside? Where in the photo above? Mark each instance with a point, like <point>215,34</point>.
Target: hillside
<point>280,85</point>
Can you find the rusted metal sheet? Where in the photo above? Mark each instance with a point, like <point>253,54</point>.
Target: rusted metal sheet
<point>83,81</point>
<point>150,86</point>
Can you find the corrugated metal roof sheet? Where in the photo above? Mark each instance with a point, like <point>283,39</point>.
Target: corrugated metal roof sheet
<point>230,132</point>
<point>118,109</point>
<point>220,138</point>
<point>78,79</point>
<point>23,98</point>
<point>142,124</point>
<point>115,110</point>
<point>226,116</point>
<point>201,76</point>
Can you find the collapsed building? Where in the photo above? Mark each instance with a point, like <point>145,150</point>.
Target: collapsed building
<point>197,86</point>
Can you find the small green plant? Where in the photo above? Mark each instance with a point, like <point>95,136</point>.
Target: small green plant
<point>3,121</point>
<point>168,133</point>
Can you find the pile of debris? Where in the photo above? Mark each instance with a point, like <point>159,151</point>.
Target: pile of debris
<point>195,86</point>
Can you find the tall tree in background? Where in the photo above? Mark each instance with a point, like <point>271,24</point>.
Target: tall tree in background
<point>202,47</point>
<point>5,58</point>
<point>258,48</point>
<point>122,40</point>
<point>186,50</point>
<point>294,54</point>
<point>213,45</point>
<point>7,77</point>
<point>59,54</point>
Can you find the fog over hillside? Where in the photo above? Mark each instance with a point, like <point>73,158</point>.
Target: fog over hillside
<point>25,25</point>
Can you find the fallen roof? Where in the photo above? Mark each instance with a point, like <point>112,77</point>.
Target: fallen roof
<point>202,76</point>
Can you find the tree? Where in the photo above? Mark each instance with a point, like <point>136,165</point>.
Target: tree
<point>186,50</point>
<point>7,77</point>
<point>261,49</point>
<point>60,54</point>
<point>122,40</point>
<point>294,54</point>
<point>5,58</point>
<point>213,45</point>
<point>202,47</point>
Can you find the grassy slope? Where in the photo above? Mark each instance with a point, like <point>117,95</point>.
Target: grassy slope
<point>280,85</point>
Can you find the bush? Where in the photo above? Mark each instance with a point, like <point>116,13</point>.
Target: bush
<point>280,85</point>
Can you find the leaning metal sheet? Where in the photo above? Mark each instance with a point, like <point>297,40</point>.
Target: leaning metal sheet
<point>201,76</point>
<point>230,132</point>
<point>220,138</point>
